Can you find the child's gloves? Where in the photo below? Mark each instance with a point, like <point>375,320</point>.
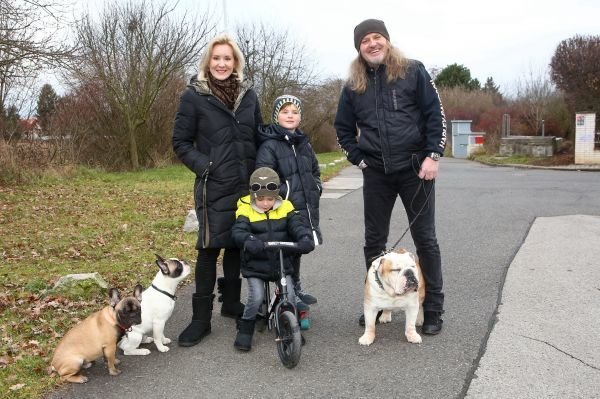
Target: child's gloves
<point>305,245</point>
<point>253,245</point>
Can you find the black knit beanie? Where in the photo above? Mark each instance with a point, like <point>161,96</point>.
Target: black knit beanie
<point>369,26</point>
<point>283,100</point>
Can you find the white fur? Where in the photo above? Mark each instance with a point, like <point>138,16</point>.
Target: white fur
<point>156,310</point>
<point>392,297</point>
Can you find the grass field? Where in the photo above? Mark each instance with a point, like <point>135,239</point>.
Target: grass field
<point>110,223</point>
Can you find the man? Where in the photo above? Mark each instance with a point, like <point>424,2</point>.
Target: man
<point>391,124</point>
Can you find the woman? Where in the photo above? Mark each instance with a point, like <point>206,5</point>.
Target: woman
<point>214,136</point>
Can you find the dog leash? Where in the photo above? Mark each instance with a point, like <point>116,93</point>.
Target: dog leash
<point>425,203</point>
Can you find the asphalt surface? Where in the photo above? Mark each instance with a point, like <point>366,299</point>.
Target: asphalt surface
<point>522,288</point>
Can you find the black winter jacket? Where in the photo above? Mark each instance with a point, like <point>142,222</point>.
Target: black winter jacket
<point>219,146</point>
<point>391,124</point>
<point>295,161</point>
<point>282,223</point>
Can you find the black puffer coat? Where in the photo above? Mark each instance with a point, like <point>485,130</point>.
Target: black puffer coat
<point>218,145</point>
<point>292,156</point>
<point>282,223</point>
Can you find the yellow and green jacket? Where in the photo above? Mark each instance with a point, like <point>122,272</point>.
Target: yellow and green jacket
<point>281,223</point>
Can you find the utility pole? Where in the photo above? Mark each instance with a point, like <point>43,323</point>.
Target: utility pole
<point>225,24</point>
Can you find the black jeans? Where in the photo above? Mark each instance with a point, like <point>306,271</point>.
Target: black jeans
<point>380,192</point>
<point>206,268</point>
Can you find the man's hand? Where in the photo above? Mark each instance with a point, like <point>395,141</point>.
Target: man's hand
<point>429,169</point>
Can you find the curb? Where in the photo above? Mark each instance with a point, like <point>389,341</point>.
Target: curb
<point>571,168</point>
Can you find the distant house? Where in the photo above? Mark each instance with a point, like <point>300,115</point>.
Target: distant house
<point>31,129</point>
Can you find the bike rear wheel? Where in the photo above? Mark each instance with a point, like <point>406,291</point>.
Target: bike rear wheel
<point>289,341</point>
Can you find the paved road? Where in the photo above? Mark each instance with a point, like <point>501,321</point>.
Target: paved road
<point>484,216</point>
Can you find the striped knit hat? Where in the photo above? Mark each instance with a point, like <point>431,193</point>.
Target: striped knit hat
<point>283,100</point>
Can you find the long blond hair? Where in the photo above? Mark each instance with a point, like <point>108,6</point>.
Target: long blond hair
<point>240,61</point>
<point>395,68</point>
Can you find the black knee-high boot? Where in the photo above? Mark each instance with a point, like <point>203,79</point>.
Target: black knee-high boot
<point>200,325</point>
<point>229,291</point>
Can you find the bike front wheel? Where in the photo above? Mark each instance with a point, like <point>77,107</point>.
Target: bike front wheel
<point>289,341</point>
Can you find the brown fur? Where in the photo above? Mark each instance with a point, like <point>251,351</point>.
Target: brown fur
<point>96,336</point>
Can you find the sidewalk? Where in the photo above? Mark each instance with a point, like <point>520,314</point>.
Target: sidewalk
<point>545,341</point>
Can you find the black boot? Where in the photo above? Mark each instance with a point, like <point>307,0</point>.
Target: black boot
<point>361,319</point>
<point>200,325</point>
<point>243,339</point>
<point>432,323</point>
<point>229,294</point>
<point>304,296</point>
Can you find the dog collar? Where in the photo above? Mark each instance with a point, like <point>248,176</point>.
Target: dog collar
<point>123,329</point>
<point>173,297</point>
<point>377,280</point>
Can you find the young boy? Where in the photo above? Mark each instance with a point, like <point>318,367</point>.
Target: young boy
<point>264,216</point>
<point>287,150</point>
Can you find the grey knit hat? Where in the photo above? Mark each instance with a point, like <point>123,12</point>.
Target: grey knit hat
<point>369,26</point>
<point>283,100</point>
<point>264,182</point>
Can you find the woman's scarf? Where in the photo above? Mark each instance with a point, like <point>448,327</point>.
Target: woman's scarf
<point>225,90</point>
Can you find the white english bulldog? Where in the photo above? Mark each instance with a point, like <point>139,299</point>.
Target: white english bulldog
<point>394,281</point>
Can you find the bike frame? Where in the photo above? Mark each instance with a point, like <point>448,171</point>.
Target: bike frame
<point>278,302</point>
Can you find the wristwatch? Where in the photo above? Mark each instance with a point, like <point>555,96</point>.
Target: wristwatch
<point>434,155</point>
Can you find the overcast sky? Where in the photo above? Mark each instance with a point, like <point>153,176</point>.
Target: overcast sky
<point>507,39</point>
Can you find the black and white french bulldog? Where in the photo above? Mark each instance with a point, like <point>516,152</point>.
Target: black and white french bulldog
<point>158,302</point>
<point>97,336</point>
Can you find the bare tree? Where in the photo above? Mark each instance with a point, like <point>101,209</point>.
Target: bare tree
<point>534,94</point>
<point>575,68</point>
<point>133,52</point>
<point>275,63</point>
<point>30,40</point>
<point>320,106</point>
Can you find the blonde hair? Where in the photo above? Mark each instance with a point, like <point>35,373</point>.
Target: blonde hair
<point>238,57</point>
<point>395,68</point>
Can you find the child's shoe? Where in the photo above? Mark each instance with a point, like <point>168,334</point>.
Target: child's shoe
<point>301,306</point>
<point>243,339</point>
<point>304,296</point>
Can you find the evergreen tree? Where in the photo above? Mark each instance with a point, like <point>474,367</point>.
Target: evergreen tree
<point>490,86</point>
<point>46,106</point>
<point>457,76</point>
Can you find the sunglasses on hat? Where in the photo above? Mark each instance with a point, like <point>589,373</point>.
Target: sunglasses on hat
<point>255,187</point>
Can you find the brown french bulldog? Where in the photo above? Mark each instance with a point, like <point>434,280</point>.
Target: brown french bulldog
<point>97,336</point>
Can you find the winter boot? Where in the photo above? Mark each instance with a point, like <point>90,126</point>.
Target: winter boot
<point>301,306</point>
<point>200,325</point>
<point>229,294</point>
<point>361,319</point>
<point>243,339</point>
<point>432,323</point>
<point>304,296</point>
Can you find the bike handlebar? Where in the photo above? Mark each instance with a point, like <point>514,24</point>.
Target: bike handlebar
<point>281,245</point>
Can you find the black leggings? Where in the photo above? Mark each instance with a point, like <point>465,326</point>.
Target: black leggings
<point>206,268</point>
